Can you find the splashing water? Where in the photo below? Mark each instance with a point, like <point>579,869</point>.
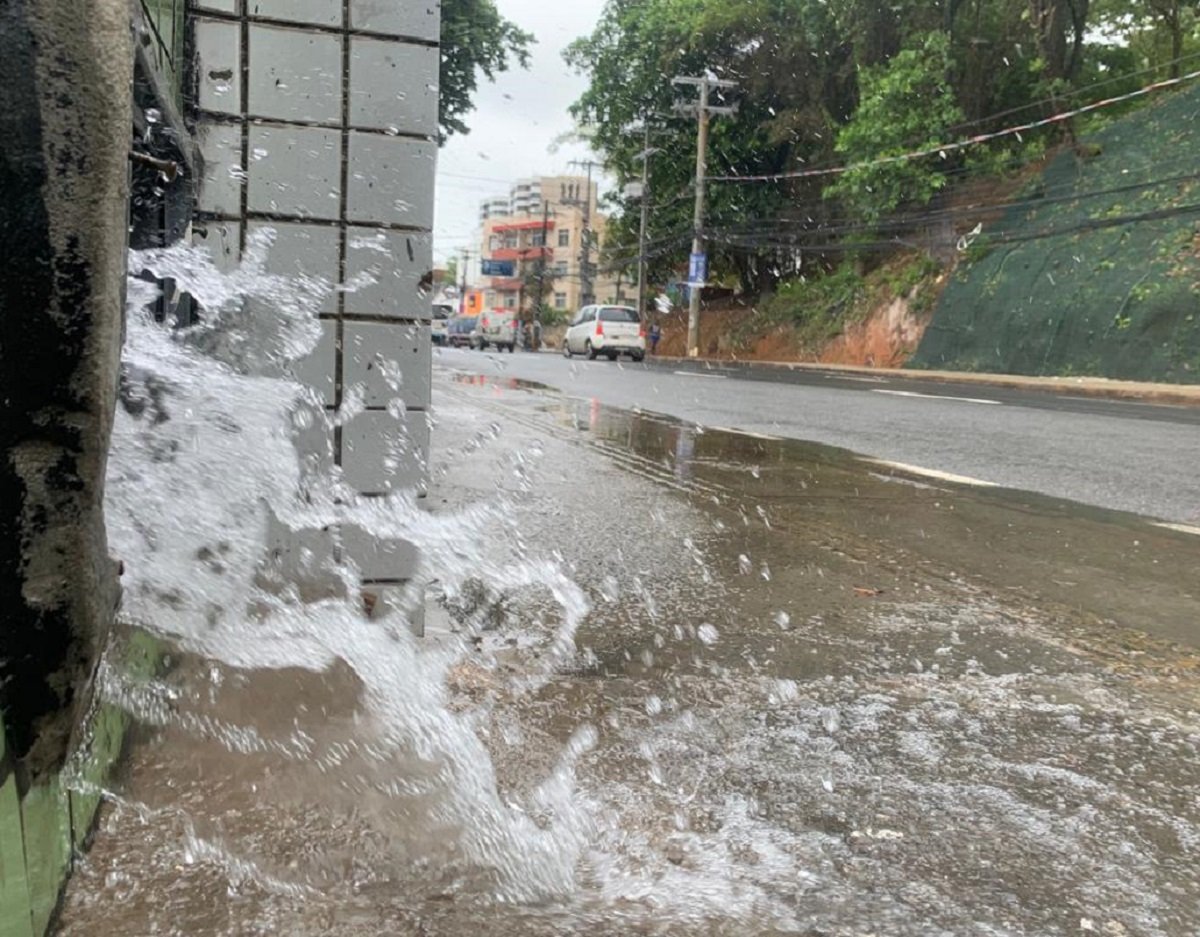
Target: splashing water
<point>203,474</point>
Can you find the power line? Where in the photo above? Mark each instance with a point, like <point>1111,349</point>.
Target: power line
<point>957,145</point>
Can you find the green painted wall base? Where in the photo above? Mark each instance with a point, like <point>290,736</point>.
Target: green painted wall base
<point>41,831</point>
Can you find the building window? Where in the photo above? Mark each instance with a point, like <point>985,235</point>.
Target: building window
<point>564,238</point>
<point>510,301</point>
<point>560,268</point>
<point>560,300</point>
<point>537,240</point>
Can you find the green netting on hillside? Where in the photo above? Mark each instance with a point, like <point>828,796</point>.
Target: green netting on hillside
<point>1121,302</point>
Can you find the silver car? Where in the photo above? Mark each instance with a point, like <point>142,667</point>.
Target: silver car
<point>606,330</point>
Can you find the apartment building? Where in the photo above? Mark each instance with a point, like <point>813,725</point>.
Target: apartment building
<point>544,221</point>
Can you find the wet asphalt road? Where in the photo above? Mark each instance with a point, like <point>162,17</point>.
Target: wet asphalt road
<point>824,698</point>
<point>1114,454</point>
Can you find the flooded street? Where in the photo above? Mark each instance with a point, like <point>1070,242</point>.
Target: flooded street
<point>812,695</point>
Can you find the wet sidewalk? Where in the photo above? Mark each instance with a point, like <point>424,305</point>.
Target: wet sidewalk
<point>812,695</point>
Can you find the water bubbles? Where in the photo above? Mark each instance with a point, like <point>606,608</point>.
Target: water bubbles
<point>654,706</point>
<point>745,567</point>
<point>831,720</point>
<point>153,115</point>
<point>764,572</point>
<point>708,634</point>
<point>258,153</point>
<point>610,589</point>
<point>783,620</point>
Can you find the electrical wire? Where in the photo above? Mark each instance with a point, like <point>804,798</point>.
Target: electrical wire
<point>954,146</point>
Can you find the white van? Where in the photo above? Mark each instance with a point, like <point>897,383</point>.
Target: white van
<point>606,330</point>
<point>497,327</point>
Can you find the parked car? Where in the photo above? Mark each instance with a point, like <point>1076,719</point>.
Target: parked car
<point>439,330</point>
<point>459,331</point>
<point>498,327</point>
<point>606,330</point>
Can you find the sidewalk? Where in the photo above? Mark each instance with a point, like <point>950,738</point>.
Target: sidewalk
<point>1145,391</point>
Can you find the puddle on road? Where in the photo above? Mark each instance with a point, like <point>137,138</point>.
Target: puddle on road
<point>813,696</point>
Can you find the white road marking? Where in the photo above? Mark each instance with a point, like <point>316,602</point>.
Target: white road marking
<point>933,473</point>
<point>719,377</point>
<point>911,393</point>
<point>847,377</point>
<point>1181,528</point>
<point>746,432</point>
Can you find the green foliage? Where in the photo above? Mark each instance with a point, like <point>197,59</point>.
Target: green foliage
<point>829,82</point>
<point>476,40</point>
<point>907,104</point>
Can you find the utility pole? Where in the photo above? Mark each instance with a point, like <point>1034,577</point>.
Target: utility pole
<point>585,270</point>
<point>698,267</point>
<point>462,290</point>
<point>641,267</point>
<point>534,342</point>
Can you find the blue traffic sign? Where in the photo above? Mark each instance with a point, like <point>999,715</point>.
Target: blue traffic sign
<point>697,269</point>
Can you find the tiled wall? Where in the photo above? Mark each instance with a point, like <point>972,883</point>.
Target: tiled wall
<point>318,118</point>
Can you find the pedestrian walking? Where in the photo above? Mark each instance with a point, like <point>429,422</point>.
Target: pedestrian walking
<point>655,335</point>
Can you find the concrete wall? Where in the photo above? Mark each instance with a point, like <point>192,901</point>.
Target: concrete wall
<point>65,112</point>
<point>318,119</point>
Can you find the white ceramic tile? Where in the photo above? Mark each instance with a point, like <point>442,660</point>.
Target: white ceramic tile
<point>221,180</point>
<point>384,271</point>
<point>318,369</point>
<point>313,438</point>
<point>218,66</point>
<point>382,453</point>
<point>391,362</point>
<point>304,250</point>
<point>295,171</point>
<point>379,559</point>
<point>391,180</point>
<point>393,86</point>
<point>420,19</point>
<point>305,559</point>
<point>221,239</point>
<point>295,74</point>
<point>320,12</point>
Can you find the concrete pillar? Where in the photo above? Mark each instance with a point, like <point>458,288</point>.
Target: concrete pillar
<point>318,119</point>
<point>65,73</point>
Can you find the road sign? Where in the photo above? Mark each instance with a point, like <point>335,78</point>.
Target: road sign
<point>498,268</point>
<point>697,269</point>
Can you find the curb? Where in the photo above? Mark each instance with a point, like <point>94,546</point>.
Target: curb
<point>1101,387</point>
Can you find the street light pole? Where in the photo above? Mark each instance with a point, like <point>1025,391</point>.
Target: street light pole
<point>698,265</point>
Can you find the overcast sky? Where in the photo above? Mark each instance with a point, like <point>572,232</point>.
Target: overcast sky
<point>515,122</point>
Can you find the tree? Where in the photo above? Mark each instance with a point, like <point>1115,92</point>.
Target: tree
<point>476,40</point>
<point>1060,27</point>
<point>907,104</point>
